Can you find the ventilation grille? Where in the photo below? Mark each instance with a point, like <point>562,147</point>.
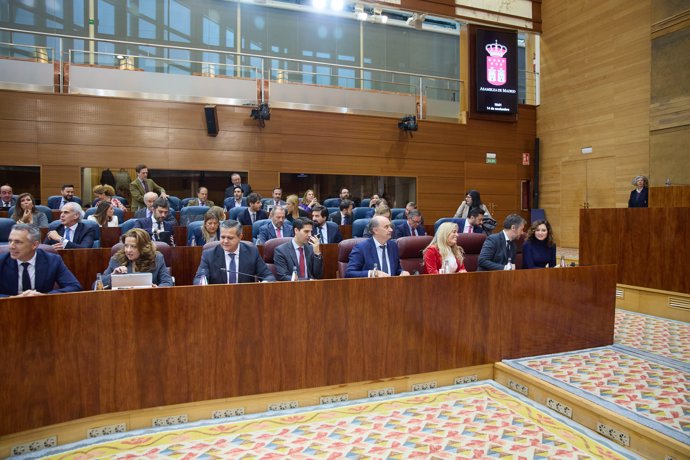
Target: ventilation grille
<point>619,293</point>
<point>679,302</point>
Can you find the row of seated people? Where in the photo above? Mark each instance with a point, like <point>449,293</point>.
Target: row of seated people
<point>28,270</point>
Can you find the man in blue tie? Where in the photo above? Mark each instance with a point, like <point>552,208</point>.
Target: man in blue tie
<point>29,271</point>
<point>72,233</point>
<point>232,261</point>
<point>67,196</point>
<point>377,256</point>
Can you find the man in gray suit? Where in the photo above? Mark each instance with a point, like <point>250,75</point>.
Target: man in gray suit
<point>302,252</point>
<point>498,251</point>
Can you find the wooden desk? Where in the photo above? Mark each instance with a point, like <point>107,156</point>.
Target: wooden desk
<point>69,356</point>
<point>649,245</point>
<point>675,196</point>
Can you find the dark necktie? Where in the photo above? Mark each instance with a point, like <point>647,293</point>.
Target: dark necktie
<point>384,259</point>
<point>232,279</point>
<point>26,279</point>
<point>321,240</point>
<point>508,249</point>
<point>253,217</point>
<point>346,220</point>
<point>302,264</point>
<point>146,186</point>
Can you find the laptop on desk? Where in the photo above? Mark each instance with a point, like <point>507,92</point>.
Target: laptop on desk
<point>131,281</point>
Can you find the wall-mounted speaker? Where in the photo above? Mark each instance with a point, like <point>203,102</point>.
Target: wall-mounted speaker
<point>211,120</point>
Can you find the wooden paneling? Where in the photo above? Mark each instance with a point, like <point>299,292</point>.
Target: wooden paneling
<point>71,356</point>
<point>54,176</point>
<point>676,196</point>
<point>648,244</point>
<point>83,131</point>
<point>669,156</point>
<point>593,95</point>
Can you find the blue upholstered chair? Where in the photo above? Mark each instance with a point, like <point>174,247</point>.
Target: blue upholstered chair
<point>235,212</point>
<point>331,202</point>
<point>448,219</point>
<point>358,227</point>
<point>332,210</point>
<point>6,225</point>
<point>192,213</point>
<point>194,232</point>
<point>365,203</point>
<point>174,203</point>
<point>362,213</point>
<point>127,225</point>
<point>396,222</point>
<point>185,202</point>
<point>398,213</point>
<point>256,226</point>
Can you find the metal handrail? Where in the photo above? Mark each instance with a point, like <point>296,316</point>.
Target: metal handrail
<point>52,50</point>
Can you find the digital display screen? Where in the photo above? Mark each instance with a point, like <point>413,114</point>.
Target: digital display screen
<point>496,71</point>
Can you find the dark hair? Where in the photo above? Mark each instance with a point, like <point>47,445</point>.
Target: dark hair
<point>101,213</point>
<point>513,219</point>
<point>198,189</point>
<point>229,223</point>
<point>476,199</point>
<point>237,187</point>
<point>67,186</point>
<point>300,222</point>
<point>18,211</point>
<point>413,213</point>
<point>139,168</point>
<point>253,198</point>
<point>161,203</point>
<point>277,188</point>
<point>474,212</point>
<point>344,204</point>
<point>323,210</point>
<point>533,228</point>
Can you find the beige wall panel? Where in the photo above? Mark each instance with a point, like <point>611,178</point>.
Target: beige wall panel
<point>103,156</point>
<point>671,69</point>
<point>53,177</point>
<point>102,135</point>
<point>226,140</point>
<point>212,160</point>
<point>670,114</point>
<point>100,110</point>
<point>263,182</point>
<point>483,170</point>
<point>670,156</point>
<point>592,95</point>
<point>17,106</point>
<point>13,153</point>
<point>450,185</point>
<point>664,9</point>
<point>17,131</point>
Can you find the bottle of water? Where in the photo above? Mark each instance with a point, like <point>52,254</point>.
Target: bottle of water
<point>203,279</point>
<point>99,283</point>
<point>295,275</point>
<point>509,265</point>
<point>668,182</point>
<point>562,262</point>
<point>193,243</point>
<point>445,269</point>
<point>375,271</point>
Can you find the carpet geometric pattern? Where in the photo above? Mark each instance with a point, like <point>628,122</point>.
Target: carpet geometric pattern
<point>659,336</point>
<point>656,395</point>
<point>481,420</point>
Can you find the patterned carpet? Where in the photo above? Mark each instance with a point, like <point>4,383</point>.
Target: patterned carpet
<point>653,394</point>
<point>667,340</point>
<point>481,420</point>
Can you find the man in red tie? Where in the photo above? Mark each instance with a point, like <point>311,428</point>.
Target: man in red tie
<point>276,228</point>
<point>302,254</point>
<point>412,227</point>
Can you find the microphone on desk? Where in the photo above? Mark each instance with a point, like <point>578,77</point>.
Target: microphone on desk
<point>256,277</point>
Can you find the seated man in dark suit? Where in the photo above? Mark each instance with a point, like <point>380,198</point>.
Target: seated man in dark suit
<point>413,226</point>
<point>157,226</point>
<point>7,199</point>
<point>276,199</point>
<point>344,216</point>
<point>253,211</point>
<point>147,212</point>
<point>236,180</point>
<point>201,198</point>
<point>302,252</point>
<point>67,192</point>
<point>71,233</point>
<point>473,223</point>
<point>277,228</point>
<point>327,232</point>
<point>232,261</point>
<point>238,200</point>
<point>377,256</point>
<point>29,271</point>
<point>498,251</point>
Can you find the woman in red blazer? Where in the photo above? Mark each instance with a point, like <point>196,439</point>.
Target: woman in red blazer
<point>444,248</point>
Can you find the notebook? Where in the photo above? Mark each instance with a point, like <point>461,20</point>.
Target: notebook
<point>131,281</point>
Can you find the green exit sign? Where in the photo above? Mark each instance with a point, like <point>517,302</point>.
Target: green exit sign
<point>491,161</point>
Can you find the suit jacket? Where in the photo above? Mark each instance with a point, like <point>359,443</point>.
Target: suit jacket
<point>50,270</point>
<point>337,218</point>
<point>638,200</point>
<point>364,255</point>
<point>475,228</point>
<point>13,202</point>
<point>494,254</point>
<point>147,224</point>
<point>285,259</point>
<point>161,276</point>
<point>83,237</point>
<point>271,204</point>
<point>433,261</point>
<point>267,232</point>
<point>55,201</point>
<point>213,264</point>
<point>137,192</point>
<point>232,203</point>
<point>195,202</point>
<point>170,218</point>
<point>245,218</point>
<point>333,232</point>
<point>404,230</point>
<point>246,190</point>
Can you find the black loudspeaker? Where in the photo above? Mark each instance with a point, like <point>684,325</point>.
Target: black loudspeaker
<point>535,201</point>
<point>211,120</point>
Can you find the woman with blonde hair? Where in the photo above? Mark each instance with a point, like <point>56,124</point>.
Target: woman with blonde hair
<point>443,251</point>
<point>104,215</point>
<point>219,212</point>
<point>107,193</point>
<point>25,212</point>
<point>308,201</point>
<point>210,230</point>
<point>138,255</point>
<point>292,210</point>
